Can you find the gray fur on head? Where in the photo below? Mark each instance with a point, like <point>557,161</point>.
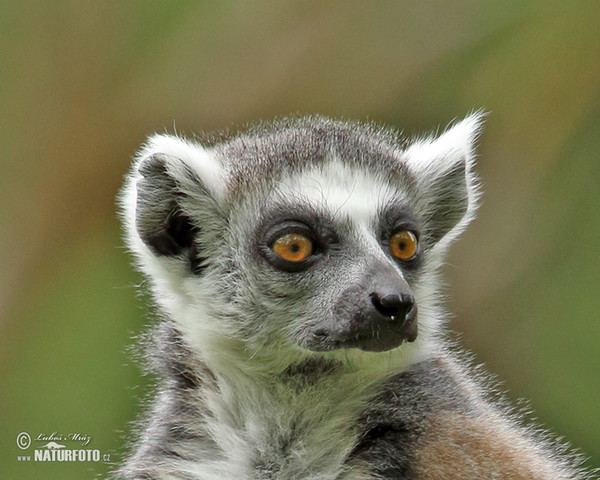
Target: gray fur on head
<point>272,368</point>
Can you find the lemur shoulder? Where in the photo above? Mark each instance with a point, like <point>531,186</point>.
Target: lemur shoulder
<point>295,267</point>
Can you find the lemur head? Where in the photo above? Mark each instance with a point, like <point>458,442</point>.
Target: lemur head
<point>306,236</point>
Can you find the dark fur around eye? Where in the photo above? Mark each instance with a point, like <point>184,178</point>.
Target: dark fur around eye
<point>289,220</point>
<point>284,228</point>
<point>397,218</point>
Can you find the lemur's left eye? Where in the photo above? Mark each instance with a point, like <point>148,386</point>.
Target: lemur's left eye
<point>293,247</point>
<point>404,245</point>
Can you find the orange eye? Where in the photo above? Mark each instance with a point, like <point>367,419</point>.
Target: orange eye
<point>293,247</point>
<point>403,245</point>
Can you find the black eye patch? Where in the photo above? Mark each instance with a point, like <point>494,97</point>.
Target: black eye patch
<point>294,219</point>
<point>396,217</point>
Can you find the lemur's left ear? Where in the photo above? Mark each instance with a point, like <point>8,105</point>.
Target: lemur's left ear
<point>175,187</point>
<point>446,182</point>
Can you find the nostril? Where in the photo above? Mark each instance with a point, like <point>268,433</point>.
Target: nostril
<point>391,300</point>
<point>393,305</point>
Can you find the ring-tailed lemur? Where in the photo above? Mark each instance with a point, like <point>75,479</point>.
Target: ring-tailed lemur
<point>295,266</point>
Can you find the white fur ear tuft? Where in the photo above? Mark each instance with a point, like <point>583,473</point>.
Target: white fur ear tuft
<point>445,178</point>
<point>455,145</point>
<point>198,159</point>
<point>175,186</point>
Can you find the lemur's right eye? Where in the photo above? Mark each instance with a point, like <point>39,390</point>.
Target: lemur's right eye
<point>293,247</point>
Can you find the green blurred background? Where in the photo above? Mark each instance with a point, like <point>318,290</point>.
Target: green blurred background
<point>83,82</point>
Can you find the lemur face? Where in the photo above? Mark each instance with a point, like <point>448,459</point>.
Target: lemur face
<point>336,250</point>
<point>314,235</point>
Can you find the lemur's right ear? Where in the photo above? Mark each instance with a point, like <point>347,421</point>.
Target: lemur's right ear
<point>174,184</point>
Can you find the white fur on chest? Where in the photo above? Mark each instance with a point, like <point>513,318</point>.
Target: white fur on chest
<point>272,432</point>
<point>257,427</point>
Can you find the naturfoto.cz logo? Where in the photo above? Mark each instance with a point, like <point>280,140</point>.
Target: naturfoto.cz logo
<point>53,448</point>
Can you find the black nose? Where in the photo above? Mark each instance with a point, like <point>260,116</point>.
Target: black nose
<point>395,306</point>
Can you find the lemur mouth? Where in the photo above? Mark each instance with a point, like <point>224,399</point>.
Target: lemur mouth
<point>377,341</point>
<point>377,336</point>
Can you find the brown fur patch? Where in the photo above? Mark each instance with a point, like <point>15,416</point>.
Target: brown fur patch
<point>462,447</point>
